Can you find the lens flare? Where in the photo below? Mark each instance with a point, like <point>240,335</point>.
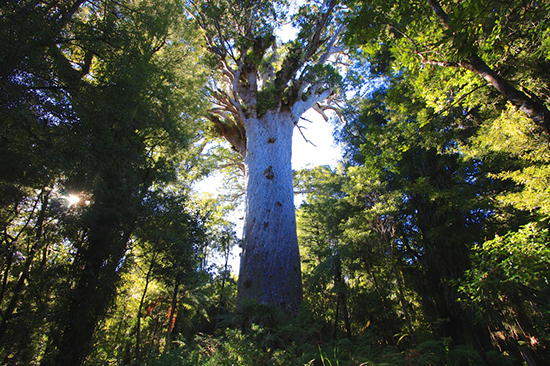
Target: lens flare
<point>73,200</point>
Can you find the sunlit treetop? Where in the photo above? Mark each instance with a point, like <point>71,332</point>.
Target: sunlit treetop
<point>494,43</point>
<point>255,72</point>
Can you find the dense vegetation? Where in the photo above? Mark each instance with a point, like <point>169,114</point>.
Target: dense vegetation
<point>427,245</point>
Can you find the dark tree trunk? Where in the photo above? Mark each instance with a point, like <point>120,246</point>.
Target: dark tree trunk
<point>336,315</point>
<point>401,295</point>
<point>92,296</point>
<point>173,306</point>
<point>341,290</point>
<point>112,219</point>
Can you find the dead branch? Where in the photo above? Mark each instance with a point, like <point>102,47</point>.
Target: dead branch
<point>301,133</point>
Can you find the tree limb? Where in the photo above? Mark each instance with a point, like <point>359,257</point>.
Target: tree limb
<point>530,105</point>
<point>331,49</point>
<point>301,106</point>
<point>441,14</point>
<point>305,139</point>
<point>321,110</point>
<point>533,108</point>
<point>315,41</point>
<point>296,57</point>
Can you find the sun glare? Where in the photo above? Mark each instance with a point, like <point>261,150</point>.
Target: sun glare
<point>73,199</point>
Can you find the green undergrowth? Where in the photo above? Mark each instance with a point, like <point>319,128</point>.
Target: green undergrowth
<point>266,337</point>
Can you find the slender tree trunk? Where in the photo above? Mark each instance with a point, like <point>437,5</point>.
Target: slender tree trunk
<point>336,315</point>
<point>270,262</point>
<point>342,299</point>
<point>140,309</point>
<point>387,333</point>
<point>10,240</point>
<point>6,273</point>
<point>346,314</point>
<point>24,274</point>
<point>403,302</point>
<point>173,306</point>
<point>221,302</point>
<point>526,355</point>
<point>400,292</point>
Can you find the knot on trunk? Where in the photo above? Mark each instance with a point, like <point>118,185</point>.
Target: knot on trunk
<point>269,173</point>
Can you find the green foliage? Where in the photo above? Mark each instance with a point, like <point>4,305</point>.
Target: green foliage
<point>514,136</point>
<point>324,73</point>
<point>268,98</point>
<point>95,116</point>
<point>421,40</point>
<point>446,160</point>
<point>515,261</point>
<point>512,273</point>
<point>233,347</point>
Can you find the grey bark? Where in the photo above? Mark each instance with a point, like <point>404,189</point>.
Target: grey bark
<point>270,261</point>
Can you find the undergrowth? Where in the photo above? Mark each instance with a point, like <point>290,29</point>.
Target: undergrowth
<point>257,335</point>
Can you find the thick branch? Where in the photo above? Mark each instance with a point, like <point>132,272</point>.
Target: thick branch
<point>65,18</point>
<point>67,73</point>
<point>331,49</point>
<point>303,105</point>
<point>533,108</point>
<point>296,57</point>
<point>315,41</point>
<point>441,14</point>
<point>321,110</point>
<point>529,104</point>
<point>228,104</point>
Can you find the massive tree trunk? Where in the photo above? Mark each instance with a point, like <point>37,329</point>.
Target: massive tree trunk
<point>270,262</point>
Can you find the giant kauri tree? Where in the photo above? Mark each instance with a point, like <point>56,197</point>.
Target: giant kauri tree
<point>259,90</point>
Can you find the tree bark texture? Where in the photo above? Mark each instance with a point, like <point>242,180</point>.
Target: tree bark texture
<point>270,261</point>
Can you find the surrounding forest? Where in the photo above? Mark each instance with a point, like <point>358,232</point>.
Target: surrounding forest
<point>427,244</point>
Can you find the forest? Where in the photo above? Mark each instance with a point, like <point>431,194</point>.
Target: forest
<point>427,244</point>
